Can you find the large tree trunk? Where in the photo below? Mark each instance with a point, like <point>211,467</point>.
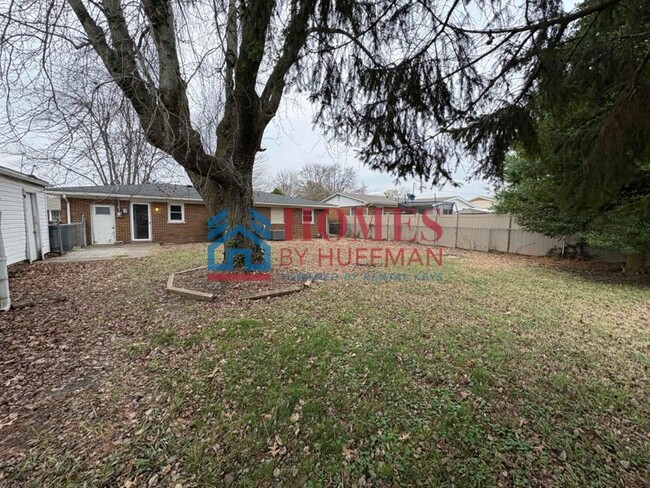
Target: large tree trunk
<point>237,199</point>
<point>635,263</point>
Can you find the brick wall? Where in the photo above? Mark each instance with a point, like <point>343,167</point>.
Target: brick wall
<point>81,207</point>
<point>296,220</point>
<point>194,229</point>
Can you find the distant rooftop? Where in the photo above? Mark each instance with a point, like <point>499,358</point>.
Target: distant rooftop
<point>367,199</point>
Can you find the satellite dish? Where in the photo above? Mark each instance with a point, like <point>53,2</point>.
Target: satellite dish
<point>410,196</point>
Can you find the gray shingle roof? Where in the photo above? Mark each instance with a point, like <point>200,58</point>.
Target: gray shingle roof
<point>155,190</point>
<point>179,192</point>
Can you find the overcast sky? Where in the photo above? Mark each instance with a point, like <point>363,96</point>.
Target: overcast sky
<point>291,141</point>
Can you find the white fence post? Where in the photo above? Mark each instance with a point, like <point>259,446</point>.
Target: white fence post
<point>509,231</point>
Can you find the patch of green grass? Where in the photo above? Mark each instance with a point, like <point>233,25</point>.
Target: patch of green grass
<point>507,373</point>
<point>164,337</point>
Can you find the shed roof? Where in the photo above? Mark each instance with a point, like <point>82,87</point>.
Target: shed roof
<point>17,175</point>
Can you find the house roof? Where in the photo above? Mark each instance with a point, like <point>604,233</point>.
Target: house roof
<point>148,190</point>
<point>436,200</point>
<point>482,197</point>
<point>168,191</point>
<point>366,199</point>
<point>423,202</point>
<point>263,198</point>
<point>17,175</point>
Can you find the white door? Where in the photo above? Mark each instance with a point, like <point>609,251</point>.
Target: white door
<point>31,227</point>
<point>103,224</point>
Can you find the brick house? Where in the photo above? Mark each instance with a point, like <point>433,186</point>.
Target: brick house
<point>348,202</point>
<point>161,212</point>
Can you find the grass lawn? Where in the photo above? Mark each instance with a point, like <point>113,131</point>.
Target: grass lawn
<point>510,372</point>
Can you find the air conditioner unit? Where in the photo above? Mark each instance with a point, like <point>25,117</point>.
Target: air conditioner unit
<point>277,234</point>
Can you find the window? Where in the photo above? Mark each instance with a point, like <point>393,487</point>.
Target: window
<point>55,215</point>
<point>307,216</point>
<point>447,208</point>
<point>277,216</point>
<point>102,210</point>
<point>176,213</point>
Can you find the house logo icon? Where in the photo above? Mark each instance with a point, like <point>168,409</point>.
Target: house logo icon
<point>220,234</point>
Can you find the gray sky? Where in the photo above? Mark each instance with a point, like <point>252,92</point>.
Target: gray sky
<point>291,141</point>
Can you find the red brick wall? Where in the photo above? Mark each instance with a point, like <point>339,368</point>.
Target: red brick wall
<point>81,207</point>
<point>296,219</point>
<point>193,230</point>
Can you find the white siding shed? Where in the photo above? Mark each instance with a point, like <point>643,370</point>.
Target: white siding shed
<point>24,223</point>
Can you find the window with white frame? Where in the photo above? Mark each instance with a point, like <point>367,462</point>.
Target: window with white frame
<point>277,216</point>
<point>307,216</point>
<point>176,213</point>
<point>54,215</point>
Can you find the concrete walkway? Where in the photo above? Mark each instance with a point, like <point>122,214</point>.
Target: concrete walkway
<point>97,253</point>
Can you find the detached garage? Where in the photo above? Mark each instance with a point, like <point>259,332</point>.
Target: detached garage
<point>23,216</point>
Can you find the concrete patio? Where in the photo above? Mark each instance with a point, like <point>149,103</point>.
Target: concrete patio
<point>108,252</point>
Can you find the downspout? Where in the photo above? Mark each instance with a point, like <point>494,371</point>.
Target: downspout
<point>67,209</point>
<point>5,298</point>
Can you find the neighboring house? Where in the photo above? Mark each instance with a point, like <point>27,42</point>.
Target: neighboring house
<point>482,202</point>
<point>162,212</point>
<point>444,205</point>
<point>23,216</point>
<point>347,202</point>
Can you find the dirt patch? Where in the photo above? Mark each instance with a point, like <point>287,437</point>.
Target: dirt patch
<point>198,280</point>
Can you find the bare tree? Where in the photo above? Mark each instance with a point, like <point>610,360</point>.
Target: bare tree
<point>288,182</point>
<point>318,181</point>
<point>396,193</point>
<point>262,175</point>
<point>102,140</point>
<point>405,78</point>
